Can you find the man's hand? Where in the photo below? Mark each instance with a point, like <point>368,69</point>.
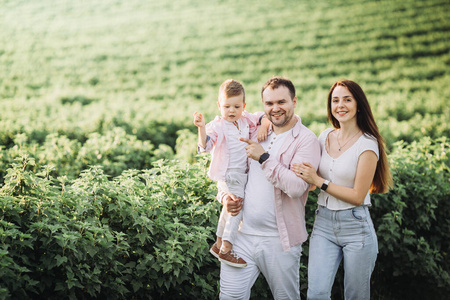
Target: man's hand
<point>254,150</point>
<point>232,203</point>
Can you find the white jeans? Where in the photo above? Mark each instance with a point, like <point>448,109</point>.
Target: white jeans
<point>263,254</point>
<point>228,225</point>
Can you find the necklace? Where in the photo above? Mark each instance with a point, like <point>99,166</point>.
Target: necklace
<point>340,147</point>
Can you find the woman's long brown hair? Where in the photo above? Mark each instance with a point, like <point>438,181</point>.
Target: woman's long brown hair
<point>382,179</point>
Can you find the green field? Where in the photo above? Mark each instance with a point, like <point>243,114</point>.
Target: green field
<point>68,66</point>
<point>114,84</point>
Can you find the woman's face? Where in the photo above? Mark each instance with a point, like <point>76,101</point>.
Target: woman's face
<point>343,106</point>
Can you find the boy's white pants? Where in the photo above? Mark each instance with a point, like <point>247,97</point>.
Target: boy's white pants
<point>228,225</point>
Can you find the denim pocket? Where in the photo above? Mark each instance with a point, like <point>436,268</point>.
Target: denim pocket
<point>359,213</point>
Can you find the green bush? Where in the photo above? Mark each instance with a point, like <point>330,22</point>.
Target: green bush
<point>114,150</point>
<point>146,234</point>
<point>142,235</point>
<point>412,223</point>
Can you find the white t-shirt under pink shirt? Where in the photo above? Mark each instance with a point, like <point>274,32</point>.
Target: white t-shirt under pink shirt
<point>259,194</point>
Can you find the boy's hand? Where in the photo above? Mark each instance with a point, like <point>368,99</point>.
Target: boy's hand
<point>261,134</point>
<point>263,130</point>
<point>199,121</point>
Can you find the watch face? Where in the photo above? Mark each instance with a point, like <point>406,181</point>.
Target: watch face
<point>263,157</point>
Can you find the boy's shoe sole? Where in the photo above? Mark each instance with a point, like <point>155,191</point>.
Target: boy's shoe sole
<point>215,251</point>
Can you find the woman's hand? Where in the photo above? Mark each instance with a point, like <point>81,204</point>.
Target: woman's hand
<point>308,173</point>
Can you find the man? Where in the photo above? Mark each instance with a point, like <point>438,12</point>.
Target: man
<point>273,227</point>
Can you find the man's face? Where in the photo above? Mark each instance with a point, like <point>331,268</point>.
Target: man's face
<point>278,106</point>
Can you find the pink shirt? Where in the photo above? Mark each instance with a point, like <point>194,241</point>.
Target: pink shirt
<point>216,143</point>
<point>290,191</point>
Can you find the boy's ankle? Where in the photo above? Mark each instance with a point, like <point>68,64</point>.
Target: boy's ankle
<point>226,248</point>
<point>219,242</point>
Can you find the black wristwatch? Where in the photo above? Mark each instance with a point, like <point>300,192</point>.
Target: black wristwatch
<point>325,185</point>
<point>263,157</point>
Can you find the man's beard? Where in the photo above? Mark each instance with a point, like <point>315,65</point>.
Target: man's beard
<point>281,122</point>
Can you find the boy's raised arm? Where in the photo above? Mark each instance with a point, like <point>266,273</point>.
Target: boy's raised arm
<point>199,121</point>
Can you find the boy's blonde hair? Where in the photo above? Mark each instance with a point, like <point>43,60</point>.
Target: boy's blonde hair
<point>230,88</point>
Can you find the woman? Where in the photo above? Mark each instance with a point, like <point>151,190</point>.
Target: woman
<point>353,165</point>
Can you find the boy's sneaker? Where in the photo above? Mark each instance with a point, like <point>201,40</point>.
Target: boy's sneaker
<point>215,251</point>
<point>232,259</point>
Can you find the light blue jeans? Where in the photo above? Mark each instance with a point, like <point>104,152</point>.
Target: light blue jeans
<point>342,234</point>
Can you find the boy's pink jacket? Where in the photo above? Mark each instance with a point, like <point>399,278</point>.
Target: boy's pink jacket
<point>291,192</point>
<point>216,143</point>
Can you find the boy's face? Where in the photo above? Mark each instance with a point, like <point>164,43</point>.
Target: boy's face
<point>231,108</point>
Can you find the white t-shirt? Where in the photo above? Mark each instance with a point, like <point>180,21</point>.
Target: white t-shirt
<point>236,148</point>
<point>342,170</point>
<point>258,216</point>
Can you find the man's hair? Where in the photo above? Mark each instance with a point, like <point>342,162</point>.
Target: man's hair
<point>276,82</point>
<point>230,88</point>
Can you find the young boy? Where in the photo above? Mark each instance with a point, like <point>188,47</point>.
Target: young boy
<point>229,159</point>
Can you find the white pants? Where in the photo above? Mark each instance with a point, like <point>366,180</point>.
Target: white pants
<point>263,254</point>
<point>228,225</point>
